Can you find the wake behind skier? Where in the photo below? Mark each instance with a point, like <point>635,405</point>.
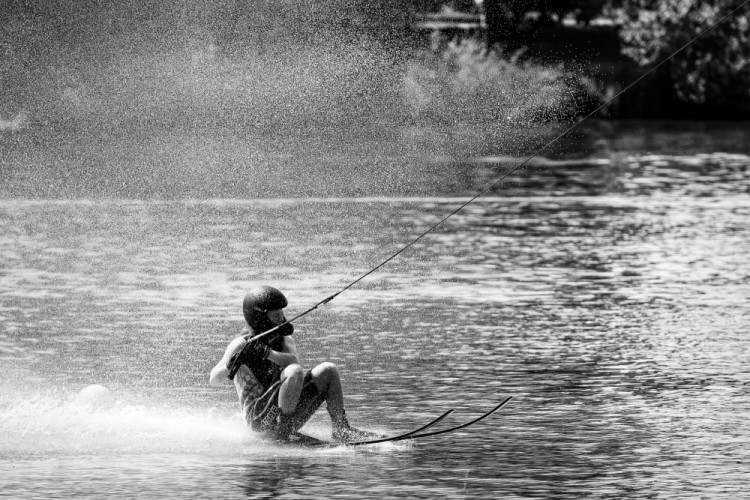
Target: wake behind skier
<point>276,394</point>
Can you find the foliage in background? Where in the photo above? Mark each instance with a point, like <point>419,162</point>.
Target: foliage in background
<point>467,83</point>
<point>715,69</point>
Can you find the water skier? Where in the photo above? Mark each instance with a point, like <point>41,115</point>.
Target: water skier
<point>277,396</point>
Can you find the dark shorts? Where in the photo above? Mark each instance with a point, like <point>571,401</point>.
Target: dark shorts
<point>261,415</point>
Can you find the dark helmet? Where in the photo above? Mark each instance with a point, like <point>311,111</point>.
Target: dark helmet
<point>258,302</point>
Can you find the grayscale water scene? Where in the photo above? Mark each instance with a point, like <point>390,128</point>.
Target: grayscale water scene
<point>604,285</point>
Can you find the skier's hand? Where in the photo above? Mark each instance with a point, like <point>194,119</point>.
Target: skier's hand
<point>251,351</point>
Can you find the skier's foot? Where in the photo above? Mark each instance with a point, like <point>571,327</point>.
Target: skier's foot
<point>348,434</point>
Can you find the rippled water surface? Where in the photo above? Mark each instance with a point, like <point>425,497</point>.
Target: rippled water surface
<point>614,311</point>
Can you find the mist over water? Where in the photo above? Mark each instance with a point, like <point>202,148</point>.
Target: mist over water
<point>199,99</point>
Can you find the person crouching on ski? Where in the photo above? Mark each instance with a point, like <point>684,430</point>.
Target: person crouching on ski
<point>276,395</point>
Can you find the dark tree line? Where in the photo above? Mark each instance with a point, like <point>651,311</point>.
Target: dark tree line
<point>713,71</point>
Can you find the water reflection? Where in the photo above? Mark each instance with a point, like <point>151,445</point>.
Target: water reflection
<point>714,174</point>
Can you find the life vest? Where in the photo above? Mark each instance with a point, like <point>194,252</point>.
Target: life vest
<point>265,371</point>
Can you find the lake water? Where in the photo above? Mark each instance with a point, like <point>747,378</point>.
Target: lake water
<point>608,295</point>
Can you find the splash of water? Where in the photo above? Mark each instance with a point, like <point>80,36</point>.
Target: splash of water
<point>94,422</point>
<point>43,424</point>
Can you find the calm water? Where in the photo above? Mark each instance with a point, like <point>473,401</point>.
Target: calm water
<point>610,301</point>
